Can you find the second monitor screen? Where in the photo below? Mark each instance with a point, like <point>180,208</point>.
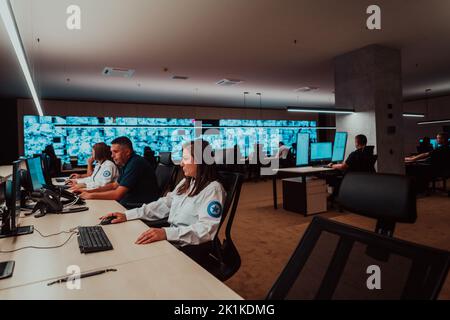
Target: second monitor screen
<point>321,151</point>
<point>302,151</point>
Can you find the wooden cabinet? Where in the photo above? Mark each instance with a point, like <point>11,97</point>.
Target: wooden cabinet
<point>306,196</point>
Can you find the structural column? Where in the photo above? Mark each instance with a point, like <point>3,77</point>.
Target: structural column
<point>369,81</point>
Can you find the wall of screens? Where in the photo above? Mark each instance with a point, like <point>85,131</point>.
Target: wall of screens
<point>247,133</point>
<point>75,136</point>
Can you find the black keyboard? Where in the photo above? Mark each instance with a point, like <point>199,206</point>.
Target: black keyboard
<point>60,179</point>
<point>93,239</point>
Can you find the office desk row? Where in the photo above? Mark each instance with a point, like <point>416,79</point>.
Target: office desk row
<point>153,271</point>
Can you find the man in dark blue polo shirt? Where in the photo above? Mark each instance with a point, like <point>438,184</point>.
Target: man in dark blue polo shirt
<point>137,180</point>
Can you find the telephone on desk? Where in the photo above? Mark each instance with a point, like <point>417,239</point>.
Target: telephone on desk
<point>48,200</point>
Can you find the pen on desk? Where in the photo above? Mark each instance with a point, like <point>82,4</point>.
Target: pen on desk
<point>83,275</point>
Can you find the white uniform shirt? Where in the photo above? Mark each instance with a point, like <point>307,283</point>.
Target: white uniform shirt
<point>282,152</point>
<point>193,220</point>
<point>103,174</point>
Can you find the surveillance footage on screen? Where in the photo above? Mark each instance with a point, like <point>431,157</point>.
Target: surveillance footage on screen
<point>75,136</point>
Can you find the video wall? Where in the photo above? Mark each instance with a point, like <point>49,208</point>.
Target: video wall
<point>75,136</point>
<point>247,133</point>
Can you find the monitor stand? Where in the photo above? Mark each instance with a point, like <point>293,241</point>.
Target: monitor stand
<point>19,231</point>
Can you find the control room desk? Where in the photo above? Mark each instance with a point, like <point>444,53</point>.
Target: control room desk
<point>5,171</point>
<point>153,271</point>
<point>302,172</point>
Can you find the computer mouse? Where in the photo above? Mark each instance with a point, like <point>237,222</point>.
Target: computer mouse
<point>107,220</point>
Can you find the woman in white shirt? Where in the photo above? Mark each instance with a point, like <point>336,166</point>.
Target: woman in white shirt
<point>104,172</point>
<point>194,208</point>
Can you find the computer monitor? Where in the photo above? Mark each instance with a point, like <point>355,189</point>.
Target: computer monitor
<point>321,151</point>
<point>34,167</point>
<point>433,142</point>
<point>302,152</point>
<point>10,217</point>
<point>340,142</point>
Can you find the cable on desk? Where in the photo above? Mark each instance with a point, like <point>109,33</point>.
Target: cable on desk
<point>55,234</point>
<point>35,247</point>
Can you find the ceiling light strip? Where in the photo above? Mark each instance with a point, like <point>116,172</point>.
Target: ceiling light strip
<point>413,115</point>
<point>320,110</point>
<point>9,21</point>
<point>434,122</point>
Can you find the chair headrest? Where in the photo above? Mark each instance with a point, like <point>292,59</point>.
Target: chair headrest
<point>380,196</point>
<point>369,149</point>
<point>165,158</point>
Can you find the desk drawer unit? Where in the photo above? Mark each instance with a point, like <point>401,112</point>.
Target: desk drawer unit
<point>306,198</point>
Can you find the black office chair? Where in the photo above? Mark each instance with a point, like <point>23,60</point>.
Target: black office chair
<point>46,166</point>
<point>440,171</point>
<point>166,173</point>
<point>288,162</point>
<point>388,198</point>
<point>220,258</point>
<point>335,261</point>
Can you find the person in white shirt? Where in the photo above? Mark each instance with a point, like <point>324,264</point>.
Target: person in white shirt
<point>104,172</point>
<point>194,208</point>
<point>282,151</point>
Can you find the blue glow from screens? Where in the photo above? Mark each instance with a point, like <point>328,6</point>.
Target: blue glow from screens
<point>75,136</point>
<point>321,151</point>
<point>302,153</point>
<point>340,142</point>
<point>247,133</point>
<point>433,142</point>
<point>36,174</point>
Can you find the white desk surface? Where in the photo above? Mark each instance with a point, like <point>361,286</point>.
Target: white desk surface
<point>174,274</point>
<point>303,170</point>
<point>5,171</point>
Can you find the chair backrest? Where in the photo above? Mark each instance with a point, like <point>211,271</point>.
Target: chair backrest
<point>166,173</point>
<point>333,261</point>
<point>226,252</point>
<point>166,158</point>
<point>388,198</point>
<point>440,162</point>
<point>46,167</point>
<point>372,164</point>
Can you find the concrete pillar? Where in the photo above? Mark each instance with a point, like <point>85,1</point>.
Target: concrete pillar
<point>369,80</point>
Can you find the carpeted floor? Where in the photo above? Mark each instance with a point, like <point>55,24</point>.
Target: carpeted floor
<point>266,237</point>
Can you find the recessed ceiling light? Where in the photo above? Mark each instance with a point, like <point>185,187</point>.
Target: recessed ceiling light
<point>306,89</point>
<point>228,82</point>
<point>118,72</point>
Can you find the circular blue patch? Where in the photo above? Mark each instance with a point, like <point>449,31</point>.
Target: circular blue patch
<point>215,209</point>
<point>106,174</point>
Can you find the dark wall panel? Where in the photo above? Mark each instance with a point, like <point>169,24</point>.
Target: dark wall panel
<point>8,131</point>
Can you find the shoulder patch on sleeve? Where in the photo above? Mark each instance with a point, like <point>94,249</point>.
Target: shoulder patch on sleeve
<point>107,173</point>
<point>214,209</point>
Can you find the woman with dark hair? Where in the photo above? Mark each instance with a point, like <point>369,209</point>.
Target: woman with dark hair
<point>193,209</point>
<point>104,172</point>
